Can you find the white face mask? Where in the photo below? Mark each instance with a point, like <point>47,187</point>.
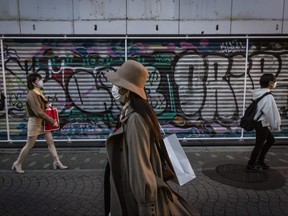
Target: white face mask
<point>115,92</point>
<point>274,85</point>
<point>117,95</point>
<point>39,83</point>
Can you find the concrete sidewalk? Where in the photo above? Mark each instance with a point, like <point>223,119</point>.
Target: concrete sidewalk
<point>222,186</point>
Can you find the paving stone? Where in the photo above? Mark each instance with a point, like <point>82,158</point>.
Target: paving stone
<point>79,190</point>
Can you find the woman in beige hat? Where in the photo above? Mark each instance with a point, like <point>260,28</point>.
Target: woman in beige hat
<point>136,185</point>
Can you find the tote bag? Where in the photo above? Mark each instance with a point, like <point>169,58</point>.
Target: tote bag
<point>53,113</point>
<point>179,160</point>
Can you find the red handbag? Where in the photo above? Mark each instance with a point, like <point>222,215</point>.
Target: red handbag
<point>53,113</point>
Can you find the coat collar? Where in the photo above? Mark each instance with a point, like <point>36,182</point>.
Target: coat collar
<point>39,92</point>
<point>127,113</point>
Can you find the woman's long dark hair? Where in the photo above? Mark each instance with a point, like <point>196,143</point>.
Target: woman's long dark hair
<point>144,109</point>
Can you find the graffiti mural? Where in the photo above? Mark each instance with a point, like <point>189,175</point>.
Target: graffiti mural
<point>197,87</point>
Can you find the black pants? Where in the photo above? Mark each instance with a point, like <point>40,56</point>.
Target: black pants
<point>264,141</point>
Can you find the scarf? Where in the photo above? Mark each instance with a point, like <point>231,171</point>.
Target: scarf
<point>39,92</point>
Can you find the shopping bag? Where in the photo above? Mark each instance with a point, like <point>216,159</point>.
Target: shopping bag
<point>53,113</point>
<point>167,168</point>
<point>179,160</point>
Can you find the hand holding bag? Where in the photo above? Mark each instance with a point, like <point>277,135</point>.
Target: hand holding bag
<point>167,168</point>
<point>53,113</point>
<point>179,160</point>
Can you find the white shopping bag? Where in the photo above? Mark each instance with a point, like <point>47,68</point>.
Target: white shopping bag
<point>182,167</point>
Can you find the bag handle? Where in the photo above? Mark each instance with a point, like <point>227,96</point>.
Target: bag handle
<point>161,128</point>
<point>258,99</point>
<point>161,142</point>
<point>52,113</point>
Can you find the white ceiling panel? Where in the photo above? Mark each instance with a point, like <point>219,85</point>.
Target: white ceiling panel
<point>8,10</point>
<point>257,9</point>
<point>205,9</point>
<point>46,10</point>
<point>147,10</point>
<point>99,9</point>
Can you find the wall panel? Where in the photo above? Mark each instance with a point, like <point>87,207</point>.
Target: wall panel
<point>235,17</point>
<point>116,27</point>
<point>256,27</point>
<point>140,27</point>
<point>204,27</point>
<point>46,27</point>
<point>9,27</point>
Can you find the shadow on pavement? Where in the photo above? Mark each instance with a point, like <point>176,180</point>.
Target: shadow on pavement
<point>234,174</point>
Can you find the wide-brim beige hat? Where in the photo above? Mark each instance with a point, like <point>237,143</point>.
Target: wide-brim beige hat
<point>132,76</point>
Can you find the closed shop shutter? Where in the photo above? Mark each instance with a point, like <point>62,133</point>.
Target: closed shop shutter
<point>196,86</point>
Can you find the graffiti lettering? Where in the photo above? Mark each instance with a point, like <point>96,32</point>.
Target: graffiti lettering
<point>195,87</point>
<point>232,47</point>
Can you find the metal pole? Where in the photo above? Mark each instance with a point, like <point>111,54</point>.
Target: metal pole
<point>126,50</point>
<point>245,82</point>
<point>5,91</point>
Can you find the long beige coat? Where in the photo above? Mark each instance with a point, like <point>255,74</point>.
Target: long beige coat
<point>136,187</point>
